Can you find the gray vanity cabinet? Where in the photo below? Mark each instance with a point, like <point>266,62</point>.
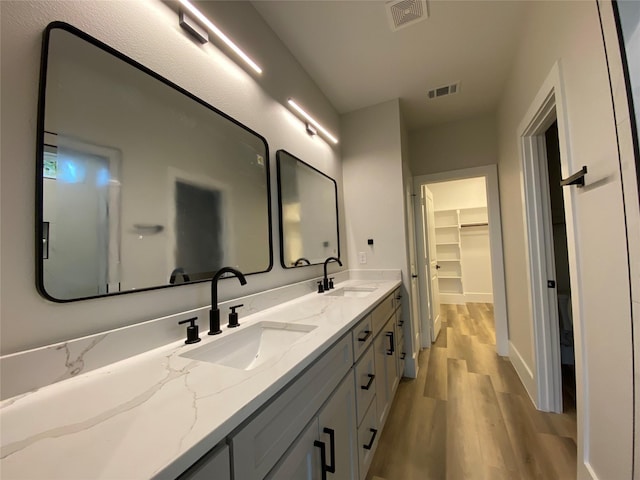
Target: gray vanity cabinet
<point>386,368</point>
<point>334,429</point>
<point>302,461</point>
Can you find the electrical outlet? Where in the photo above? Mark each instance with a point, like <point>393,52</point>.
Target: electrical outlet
<point>362,256</point>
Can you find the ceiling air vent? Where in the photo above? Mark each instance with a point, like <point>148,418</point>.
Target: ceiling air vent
<point>403,13</point>
<point>444,91</point>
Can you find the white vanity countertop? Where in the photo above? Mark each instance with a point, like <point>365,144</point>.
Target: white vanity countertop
<point>156,413</point>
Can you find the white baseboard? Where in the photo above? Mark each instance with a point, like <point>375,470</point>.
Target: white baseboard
<point>478,297</point>
<point>452,298</point>
<point>524,372</point>
<point>411,366</point>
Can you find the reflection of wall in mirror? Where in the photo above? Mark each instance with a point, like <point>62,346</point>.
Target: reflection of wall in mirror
<point>317,214</point>
<point>153,124</point>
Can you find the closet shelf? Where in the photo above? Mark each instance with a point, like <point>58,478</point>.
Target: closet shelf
<point>448,260</point>
<point>446,226</point>
<point>458,277</point>
<point>447,243</point>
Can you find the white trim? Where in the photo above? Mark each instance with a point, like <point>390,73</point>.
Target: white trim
<point>452,298</point>
<point>490,173</point>
<point>548,105</point>
<point>473,297</point>
<point>522,369</point>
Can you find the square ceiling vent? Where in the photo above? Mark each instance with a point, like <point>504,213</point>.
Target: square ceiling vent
<point>403,13</point>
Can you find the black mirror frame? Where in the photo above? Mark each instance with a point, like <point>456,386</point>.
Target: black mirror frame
<point>280,221</point>
<point>40,137</point>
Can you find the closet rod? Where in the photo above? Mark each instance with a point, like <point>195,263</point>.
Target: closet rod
<point>485,224</point>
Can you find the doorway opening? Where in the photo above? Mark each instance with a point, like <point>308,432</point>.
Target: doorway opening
<point>561,282</point>
<point>460,245</point>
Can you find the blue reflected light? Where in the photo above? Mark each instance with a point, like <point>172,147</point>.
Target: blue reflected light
<point>102,177</point>
<point>71,171</point>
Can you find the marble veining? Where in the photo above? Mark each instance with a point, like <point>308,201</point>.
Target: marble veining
<point>154,414</point>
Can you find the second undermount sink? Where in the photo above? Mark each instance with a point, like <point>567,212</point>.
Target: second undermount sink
<point>252,346</point>
<point>354,292</point>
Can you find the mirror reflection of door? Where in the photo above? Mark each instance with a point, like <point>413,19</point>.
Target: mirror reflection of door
<point>76,207</point>
<point>199,230</point>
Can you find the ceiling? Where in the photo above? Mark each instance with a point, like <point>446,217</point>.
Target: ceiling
<point>357,60</point>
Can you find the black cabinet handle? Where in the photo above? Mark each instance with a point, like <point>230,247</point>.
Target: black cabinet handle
<point>373,438</point>
<point>332,449</point>
<point>323,457</point>
<point>368,385</point>
<point>391,349</point>
<point>403,356</point>
<point>367,334</point>
<point>400,323</point>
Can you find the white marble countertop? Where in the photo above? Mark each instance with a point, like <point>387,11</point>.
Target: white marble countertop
<point>156,413</point>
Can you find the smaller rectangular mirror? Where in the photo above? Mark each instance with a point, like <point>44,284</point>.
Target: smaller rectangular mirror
<point>308,201</point>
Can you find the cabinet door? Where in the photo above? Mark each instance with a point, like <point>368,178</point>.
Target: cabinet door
<point>386,369</point>
<point>215,465</point>
<point>302,460</point>
<point>337,430</point>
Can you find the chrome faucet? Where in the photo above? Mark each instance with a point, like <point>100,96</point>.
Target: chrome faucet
<point>325,281</point>
<point>214,313</point>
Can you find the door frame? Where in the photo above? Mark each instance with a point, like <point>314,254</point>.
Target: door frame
<point>547,107</point>
<point>490,174</point>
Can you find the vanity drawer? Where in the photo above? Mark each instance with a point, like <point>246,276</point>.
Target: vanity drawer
<point>382,312</point>
<point>368,437</point>
<point>365,373</point>
<point>362,337</point>
<point>261,442</point>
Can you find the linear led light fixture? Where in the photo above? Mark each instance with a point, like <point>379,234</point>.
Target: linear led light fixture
<point>310,119</point>
<point>207,23</point>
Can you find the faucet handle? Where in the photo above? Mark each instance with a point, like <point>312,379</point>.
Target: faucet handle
<point>320,287</point>
<point>331,282</point>
<point>192,330</point>
<point>233,316</point>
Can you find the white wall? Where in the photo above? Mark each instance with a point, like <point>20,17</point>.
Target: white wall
<point>453,146</point>
<point>467,193</point>
<point>147,31</point>
<point>570,32</point>
<point>373,193</point>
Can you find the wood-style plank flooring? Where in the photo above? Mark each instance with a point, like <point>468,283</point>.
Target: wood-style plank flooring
<point>467,415</point>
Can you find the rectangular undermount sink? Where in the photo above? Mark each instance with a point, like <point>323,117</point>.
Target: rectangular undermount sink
<point>354,292</point>
<point>250,347</point>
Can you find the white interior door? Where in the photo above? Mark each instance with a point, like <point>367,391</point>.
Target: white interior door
<point>430,260</point>
<point>433,267</point>
<point>415,310</point>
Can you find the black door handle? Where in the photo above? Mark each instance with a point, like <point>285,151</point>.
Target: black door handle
<point>332,449</point>
<point>367,334</point>
<point>368,385</point>
<point>414,275</point>
<point>373,438</point>
<point>323,457</point>
<point>391,343</point>
<point>438,267</point>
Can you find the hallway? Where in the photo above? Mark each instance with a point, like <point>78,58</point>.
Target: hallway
<point>467,415</point>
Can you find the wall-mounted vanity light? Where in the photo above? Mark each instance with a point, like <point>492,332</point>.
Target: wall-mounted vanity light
<point>193,28</point>
<point>215,30</point>
<point>311,121</point>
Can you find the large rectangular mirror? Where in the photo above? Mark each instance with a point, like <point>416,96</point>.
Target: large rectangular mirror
<point>139,183</point>
<point>308,201</point>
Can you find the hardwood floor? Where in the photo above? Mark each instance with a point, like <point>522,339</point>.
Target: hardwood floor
<point>467,415</point>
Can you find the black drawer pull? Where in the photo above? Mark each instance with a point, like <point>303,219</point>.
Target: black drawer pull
<point>323,457</point>
<point>400,323</point>
<point>368,385</point>
<point>332,449</point>
<point>391,349</point>
<point>373,438</point>
<point>367,334</point>
<point>403,356</point>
